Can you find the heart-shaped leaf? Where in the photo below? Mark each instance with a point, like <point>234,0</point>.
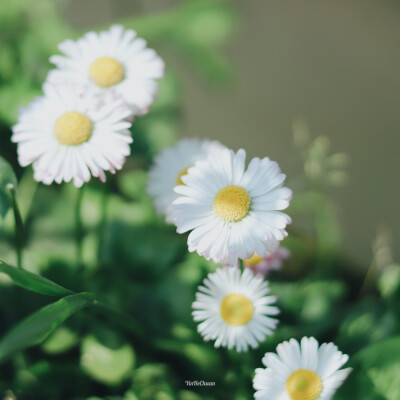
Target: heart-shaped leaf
<point>105,364</point>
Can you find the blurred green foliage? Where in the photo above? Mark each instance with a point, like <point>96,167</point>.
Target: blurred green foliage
<point>7,181</point>
<point>122,328</point>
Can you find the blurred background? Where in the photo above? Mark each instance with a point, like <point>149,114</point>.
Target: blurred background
<point>332,64</point>
<point>312,85</point>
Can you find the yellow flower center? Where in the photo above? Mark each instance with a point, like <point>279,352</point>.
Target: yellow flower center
<point>253,260</point>
<point>236,309</point>
<point>303,384</point>
<point>232,203</point>
<point>106,71</point>
<point>73,128</point>
<point>179,180</point>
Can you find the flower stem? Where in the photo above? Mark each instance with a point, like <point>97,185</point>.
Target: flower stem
<point>103,221</point>
<point>19,226</point>
<point>79,230</point>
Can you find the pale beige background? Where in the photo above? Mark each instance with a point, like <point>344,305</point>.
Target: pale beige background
<point>334,63</point>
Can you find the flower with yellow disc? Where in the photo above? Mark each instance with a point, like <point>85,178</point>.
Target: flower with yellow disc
<point>171,165</point>
<point>232,212</point>
<point>68,134</point>
<point>271,262</point>
<point>302,371</point>
<point>114,60</point>
<point>234,309</point>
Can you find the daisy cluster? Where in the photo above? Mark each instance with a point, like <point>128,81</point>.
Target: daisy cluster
<point>233,214</point>
<point>232,211</point>
<point>80,126</point>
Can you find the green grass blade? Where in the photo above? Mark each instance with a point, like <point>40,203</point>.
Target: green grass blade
<point>32,282</point>
<point>37,327</point>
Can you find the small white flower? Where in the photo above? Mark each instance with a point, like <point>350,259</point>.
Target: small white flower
<point>68,135</point>
<point>271,262</point>
<point>301,372</point>
<point>232,212</point>
<point>169,167</point>
<point>114,60</point>
<point>234,309</point>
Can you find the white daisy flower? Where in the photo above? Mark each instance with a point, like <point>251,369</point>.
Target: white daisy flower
<point>111,60</point>
<point>232,212</point>
<point>169,167</point>
<point>234,309</point>
<point>67,135</point>
<point>301,372</point>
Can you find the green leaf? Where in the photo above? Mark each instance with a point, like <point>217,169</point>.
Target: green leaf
<point>151,381</point>
<point>365,322</point>
<point>381,362</point>
<point>7,177</point>
<point>104,364</point>
<point>60,341</point>
<point>385,381</point>
<point>34,329</point>
<point>389,281</point>
<point>375,373</point>
<point>32,282</point>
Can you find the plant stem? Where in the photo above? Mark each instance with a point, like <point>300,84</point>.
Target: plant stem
<point>79,231</point>
<point>19,226</point>
<point>27,189</point>
<point>103,221</point>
